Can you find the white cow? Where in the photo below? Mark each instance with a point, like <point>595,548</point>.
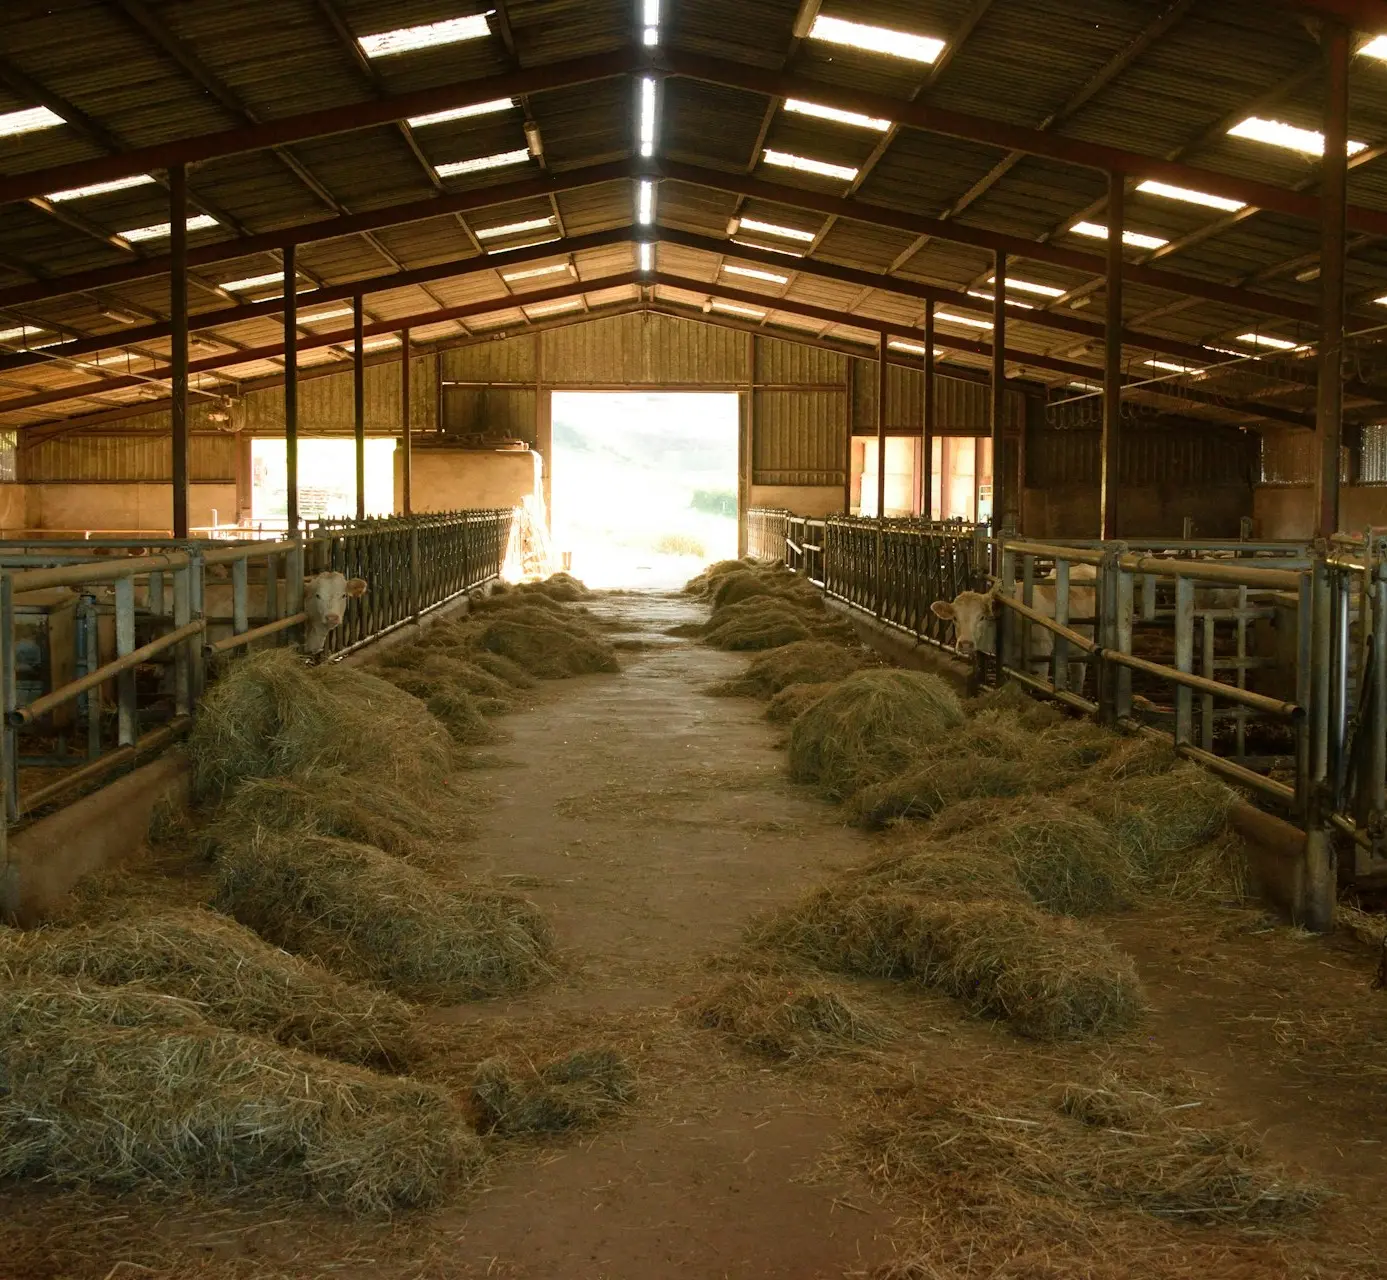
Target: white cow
<point>325,597</point>
<point>973,614</point>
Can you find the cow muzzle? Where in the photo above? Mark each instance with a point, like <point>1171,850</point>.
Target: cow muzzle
<point>333,620</point>
<point>966,648</point>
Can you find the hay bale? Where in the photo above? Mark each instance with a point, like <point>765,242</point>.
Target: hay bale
<point>793,701</point>
<point>270,715</point>
<point>547,651</point>
<point>330,802</point>
<point>786,1020</point>
<point>237,981</point>
<point>90,1097</point>
<point>366,915</point>
<point>1048,977</point>
<point>447,699</point>
<point>805,662</point>
<point>869,728</point>
<point>942,780</point>
<point>1154,816</point>
<point>572,1092</point>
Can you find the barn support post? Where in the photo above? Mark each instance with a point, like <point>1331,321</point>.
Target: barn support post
<point>1317,888</point>
<point>406,435</point>
<point>1329,396</point>
<point>1110,478</point>
<point>880,576</point>
<point>178,319</point>
<point>848,389</point>
<point>359,402</point>
<point>997,415</point>
<point>291,393</point>
<point>927,427</point>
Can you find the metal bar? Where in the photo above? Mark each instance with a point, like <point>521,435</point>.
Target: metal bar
<point>1245,777</point>
<point>92,656</point>
<point>927,422</point>
<point>1060,655</point>
<point>229,555</point>
<point>1329,399</point>
<point>120,666</point>
<point>359,401</point>
<point>76,575</point>
<point>1110,466</point>
<point>127,712</point>
<point>998,404</point>
<point>182,617</point>
<point>406,436</point>
<point>1377,747</point>
<point>1074,700</point>
<point>1206,703</point>
<point>109,763</point>
<point>291,392</point>
<point>1184,657</point>
<point>178,320</point>
<point>1124,591</point>
<point>1316,901</point>
<point>254,634</point>
<point>9,692</point>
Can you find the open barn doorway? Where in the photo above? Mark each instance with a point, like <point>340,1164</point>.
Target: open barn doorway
<point>327,479</point>
<point>644,484</point>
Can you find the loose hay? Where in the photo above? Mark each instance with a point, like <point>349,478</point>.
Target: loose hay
<point>757,624</point>
<point>364,914</point>
<point>447,697</point>
<point>572,1092</point>
<point>272,715</point>
<point>805,662</point>
<point>793,701</point>
<point>1157,815</point>
<point>97,1091</point>
<point>233,977</point>
<point>869,728</point>
<point>704,583</point>
<point>939,783</point>
<point>1048,977</point>
<point>503,668</point>
<point>545,650</point>
<point>787,1020</point>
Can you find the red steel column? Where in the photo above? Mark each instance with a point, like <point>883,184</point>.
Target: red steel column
<point>178,319</point>
<point>1329,399</point>
<point>1110,479</point>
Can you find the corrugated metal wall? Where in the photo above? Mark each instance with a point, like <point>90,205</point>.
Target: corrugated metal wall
<point>799,437</point>
<point>125,458</point>
<point>1172,454</point>
<point>960,407</point>
<point>643,348</point>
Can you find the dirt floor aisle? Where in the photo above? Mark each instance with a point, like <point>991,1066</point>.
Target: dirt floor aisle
<point>654,821</point>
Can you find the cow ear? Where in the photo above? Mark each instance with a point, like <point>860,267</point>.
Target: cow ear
<point>356,587</point>
<point>989,606</point>
<point>943,609</point>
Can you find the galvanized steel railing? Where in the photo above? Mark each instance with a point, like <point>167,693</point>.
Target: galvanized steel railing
<point>104,644</point>
<point>1260,660</point>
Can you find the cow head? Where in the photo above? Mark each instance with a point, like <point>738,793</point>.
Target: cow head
<point>325,597</point>
<point>972,614</point>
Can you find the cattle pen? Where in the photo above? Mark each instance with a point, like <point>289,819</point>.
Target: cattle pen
<point>680,638</point>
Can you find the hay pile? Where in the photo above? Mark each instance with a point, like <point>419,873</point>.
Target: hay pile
<point>130,1089</point>
<point>448,698</point>
<point>366,915</point>
<point>804,662</point>
<point>234,979</point>
<point>271,715</point>
<point>1110,1145</point>
<point>785,1019</point>
<point>869,728</point>
<point>548,650</point>
<point>558,586</point>
<point>793,701</point>
<point>1156,815</point>
<point>705,583</point>
<point>571,1092</point>
<point>1049,978</point>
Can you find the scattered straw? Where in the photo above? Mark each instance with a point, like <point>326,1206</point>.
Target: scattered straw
<point>572,1092</point>
<point>545,650</point>
<point>364,914</point>
<point>793,701</point>
<point>805,662</point>
<point>237,980</point>
<point>447,699</point>
<point>786,1019</point>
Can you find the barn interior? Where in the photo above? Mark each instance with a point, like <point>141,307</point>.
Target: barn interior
<point>682,638</point>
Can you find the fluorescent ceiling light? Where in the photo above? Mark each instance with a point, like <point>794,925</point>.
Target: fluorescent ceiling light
<point>19,334</point>
<point>101,188</point>
<point>374,344</point>
<point>199,222</point>
<point>1277,133</point>
<point>971,321</point>
<point>460,113</point>
<point>769,248</point>
<point>549,308</point>
<point>529,273</point>
<point>651,16</point>
<point>333,313</point>
<point>515,228</point>
<point>800,107</point>
<point>805,165</point>
<point>1170,366</point>
<point>645,202</point>
<point>1084,386</point>
<point>647,255</point>
<point>1134,238</point>
<point>1190,196</point>
<point>734,309</point>
<point>775,229</point>
<point>1027,286</point>
<point>912,348</point>
<point>1266,340</point>
<point>752,273</point>
<point>253,282</point>
<point>992,297</point>
<point>476,165</point>
<point>30,120</point>
<point>860,35</point>
<point>406,39</point>
<point>647,116</point>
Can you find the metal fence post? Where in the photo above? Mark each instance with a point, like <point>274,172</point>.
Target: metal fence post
<point>10,737</point>
<point>415,569</point>
<point>1184,659</point>
<point>182,667</point>
<point>128,715</point>
<point>1125,592</point>
<point>293,583</point>
<point>1318,887</point>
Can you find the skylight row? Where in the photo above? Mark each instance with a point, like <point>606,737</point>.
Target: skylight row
<point>157,230</point>
<point>855,118</point>
<point>1137,239</point>
<point>775,229</point>
<point>1278,133</point>
<point>406,39</point>
<point>551,308</point>
<point>911,348</point>
<point>515,228</point>
<point>794,253</point>
<point>529,273</point>
<point>755,273</point>
<point>650,21</point>
<point>787,160</point>
<point>461,113</point>
<point>736,309</point>
<point>646,255</point>
<point>29,120</point>
<point>478,164</point>
<point>647,120</point>
<point>100,188</point>
<point>872,39</point>
<point>971,322</point>
<point>645,202</point>
<point>1027,286</point>
<point>992,297</point>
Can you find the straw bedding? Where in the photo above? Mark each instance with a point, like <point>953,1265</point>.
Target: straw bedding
<point>1049,978</point>
<point>787,1019</point>
<point>366,915</point>
<point>794,700</point>
<point>447,698</point>
<point>572,1092</point>
<point>869,728</point>
<point>543,649</point>
<point>805,662</point>
<point>235,979</point>
<point>272,715</point>
<point>97,1089</point>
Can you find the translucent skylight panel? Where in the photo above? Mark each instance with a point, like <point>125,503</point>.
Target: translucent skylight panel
<point>1028,286</point>
<point>1136,239</point>
<point>775,229</point>
<point>529,273</point>
<point>499,160</point>
<point>1190,196</point>
<point>972,322</point>
<point>910,348</point>
<point>515,228</point>
<point>253,282</point>
<point>854,118</point>
<point>646,256</point>
<point>407,39</point>
<point>1278,133</point>
<point>645,202</point>
<point>786,160</point>
<point>461,113</point>
<point>552,308</point>
<point>30,120</point>
<point>22,333</point>
<point>755,273</point>
<point>1268,340</point>
<point>647,122</point>
<point>199,222</point>
<point>861,35</point>
<point>100,188</point>
<point>736,309</point>
<point>992,297</point>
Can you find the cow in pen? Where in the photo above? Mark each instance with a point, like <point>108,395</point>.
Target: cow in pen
<point>325,597</point>
<point>974,616</point>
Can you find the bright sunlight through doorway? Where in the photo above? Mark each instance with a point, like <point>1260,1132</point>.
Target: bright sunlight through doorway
<point>645,484</point>
<point>327,479</point>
